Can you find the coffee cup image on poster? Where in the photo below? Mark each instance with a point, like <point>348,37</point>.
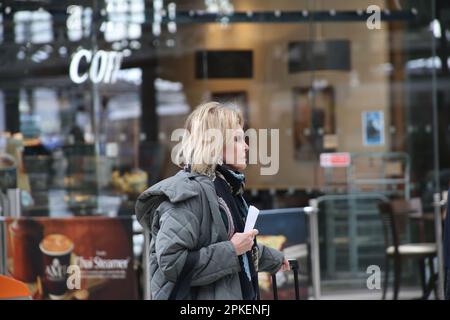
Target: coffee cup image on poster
<point>72,258</point>
<point>56,257</point>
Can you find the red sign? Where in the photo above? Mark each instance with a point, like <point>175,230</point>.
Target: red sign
<point>335,160</point>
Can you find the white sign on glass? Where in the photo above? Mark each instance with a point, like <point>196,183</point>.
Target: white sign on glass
<point>103,66</point>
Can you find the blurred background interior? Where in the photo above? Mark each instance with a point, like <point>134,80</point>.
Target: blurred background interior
<point>91,91</point>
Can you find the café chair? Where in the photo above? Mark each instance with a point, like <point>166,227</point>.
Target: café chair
<point>395,218</point>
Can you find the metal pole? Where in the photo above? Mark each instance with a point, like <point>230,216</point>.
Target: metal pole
<point>3,266</point>
<point>312,211</point>
<point>96,107</point>
<point>14,203</point>
<point>437,211</point>
<point>439,245</point>
<point>10,205</point>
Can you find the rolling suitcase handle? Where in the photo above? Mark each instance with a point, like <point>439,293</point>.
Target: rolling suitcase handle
<point>294,267</point>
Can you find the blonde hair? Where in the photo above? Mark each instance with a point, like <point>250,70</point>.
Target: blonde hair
<point>198,149</point>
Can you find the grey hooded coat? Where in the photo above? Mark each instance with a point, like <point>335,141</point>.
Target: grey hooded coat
<point>189,219</point>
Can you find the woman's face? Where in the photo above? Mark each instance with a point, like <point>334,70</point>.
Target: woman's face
<point>235,152</point>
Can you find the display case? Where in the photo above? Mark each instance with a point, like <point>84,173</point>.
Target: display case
<point>72,180</point>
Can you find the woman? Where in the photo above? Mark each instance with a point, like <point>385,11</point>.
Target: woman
<point>196,218</point>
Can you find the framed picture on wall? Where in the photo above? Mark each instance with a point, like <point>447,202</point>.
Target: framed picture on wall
<point>239,98</point>
<point>373,128</point>
<point>224,64</point>
<point>314,121</point>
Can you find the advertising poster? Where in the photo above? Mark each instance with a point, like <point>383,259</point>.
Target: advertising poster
<point>79,258</point>
<point>285,230</point>
<point>373,128</point>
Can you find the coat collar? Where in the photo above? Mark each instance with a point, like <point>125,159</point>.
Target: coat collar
<point>219,233</point>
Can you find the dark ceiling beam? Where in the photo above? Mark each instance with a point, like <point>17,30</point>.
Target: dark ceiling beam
<point>197,16</point>
<point>290,16</point>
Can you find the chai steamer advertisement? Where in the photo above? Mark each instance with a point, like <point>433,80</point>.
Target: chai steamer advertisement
<point>80,258</point>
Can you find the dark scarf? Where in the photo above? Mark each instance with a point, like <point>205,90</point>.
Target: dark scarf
<point>229,187</point>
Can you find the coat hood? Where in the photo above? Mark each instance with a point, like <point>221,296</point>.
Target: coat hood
<point>177,188</point>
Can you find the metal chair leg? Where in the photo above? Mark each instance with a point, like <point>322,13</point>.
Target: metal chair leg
<point>386,277</point>
<point>397,275</point>
<point>422,277</point>
<point>433,277</point>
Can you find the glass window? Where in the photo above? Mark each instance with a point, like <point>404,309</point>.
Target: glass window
<point>350,99</point>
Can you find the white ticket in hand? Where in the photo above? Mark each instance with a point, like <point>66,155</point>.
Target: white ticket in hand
<point>252,215</point>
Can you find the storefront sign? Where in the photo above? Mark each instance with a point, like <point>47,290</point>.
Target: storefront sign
<point>103,66</point>
<point>335,160</point>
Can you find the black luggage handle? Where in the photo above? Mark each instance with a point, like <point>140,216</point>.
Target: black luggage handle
<point>293,263</point>
<point>294,267</point>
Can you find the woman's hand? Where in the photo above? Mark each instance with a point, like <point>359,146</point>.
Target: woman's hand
<point>285,266</point>
<point>243,242</point>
